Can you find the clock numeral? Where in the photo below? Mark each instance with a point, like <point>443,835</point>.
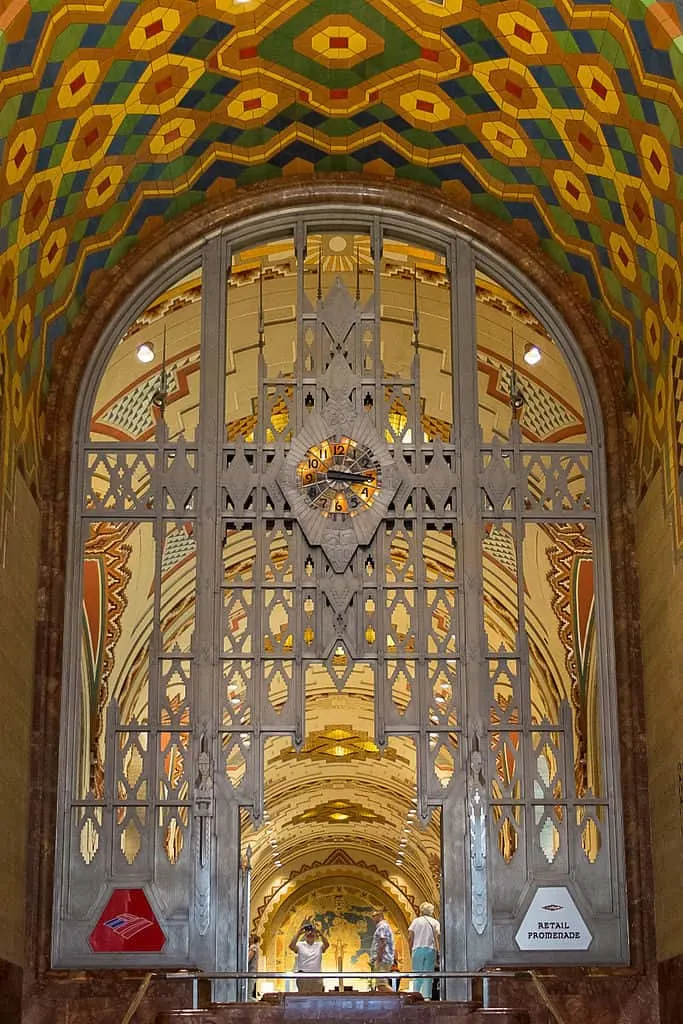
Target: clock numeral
<point>314,463</point>
<point>339,449</point>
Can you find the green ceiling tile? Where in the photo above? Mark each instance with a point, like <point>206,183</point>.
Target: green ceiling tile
<point>113,215</point>
<point>338,162</point>
<point>73,309</point>
<point>67,42</point>
<point>610,190</point>
<point>548,129</point>
<point>564,220</point>
<point>625,140</point>
<point>670,220</point>
<point>139,172</point>
<point>669,123</point>
<point>176,168</point>
<point>62,282</point>
<point>72,204</point>
<point>537,176</point>
<point>468,105</point>
<point>645,283</point>
<point>119,250</point>
<point>554,98</point>
<point>633,9</point>
<point>251,138</point>
<point>475,52</point>
<point>619,160</point>
<point>132,144</point>
<point>51,132</point>
<point>613,285</point>
<point>9,109</point>
<point>557,251</point>
<point>199,27</point>
<point>184,201</point>
<point>566,40</point>
<point>493,205</point>
<point>208,102</point>
<point>612,52</point>
<point>56,154</point>
<point>259,172</point>
<point>381,111</point>
<point>110,36</point>
<point>79,229</point>
<point>422,139</point>
<point>118,71</point>
<point>41,101</point>
<point>338,127</point>
<point>498,170</point>
<point>676,58</point>
<point>634,106</point>
<point>122,92</point>
<point>477,29</point>
<point>604,208</point>
<point>559,76</point>
<point>663,235</point>
<point>414,172</point>
<point>24,260</point>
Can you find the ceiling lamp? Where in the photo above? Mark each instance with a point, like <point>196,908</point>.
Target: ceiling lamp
<point>532,354</point>
<point>145,352</point>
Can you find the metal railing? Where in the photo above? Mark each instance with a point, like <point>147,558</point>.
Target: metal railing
<point>339,976</point>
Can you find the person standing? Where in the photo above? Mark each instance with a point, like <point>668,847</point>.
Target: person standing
<point>252,962</point>
<point>309,951</point>
<point>381,950</point>
<point>423,939</point>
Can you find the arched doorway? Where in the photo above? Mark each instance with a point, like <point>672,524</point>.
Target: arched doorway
<point>339,565</point>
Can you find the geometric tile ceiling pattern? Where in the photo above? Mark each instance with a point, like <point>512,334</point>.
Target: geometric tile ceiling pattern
<point>562,119</point>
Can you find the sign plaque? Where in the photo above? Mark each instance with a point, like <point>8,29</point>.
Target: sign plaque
<point>553,922</point>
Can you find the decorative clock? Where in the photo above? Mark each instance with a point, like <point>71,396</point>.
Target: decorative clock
<point>339,481</point>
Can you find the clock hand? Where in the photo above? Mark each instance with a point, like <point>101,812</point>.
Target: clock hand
<point>348,478</point>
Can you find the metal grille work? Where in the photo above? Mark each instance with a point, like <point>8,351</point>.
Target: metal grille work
<point>344,492</point>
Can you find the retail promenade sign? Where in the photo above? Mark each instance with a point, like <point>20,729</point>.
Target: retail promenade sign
<point>553,921</point>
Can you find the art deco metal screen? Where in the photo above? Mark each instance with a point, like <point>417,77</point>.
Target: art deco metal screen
<point>328,513</point>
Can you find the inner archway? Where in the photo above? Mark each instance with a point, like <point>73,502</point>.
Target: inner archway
<point>339,520</point>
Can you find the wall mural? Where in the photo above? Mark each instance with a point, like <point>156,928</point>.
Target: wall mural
<point>344,916</point>
<point>562,120</point>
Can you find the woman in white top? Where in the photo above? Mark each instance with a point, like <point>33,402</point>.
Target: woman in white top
<point>423,940</point>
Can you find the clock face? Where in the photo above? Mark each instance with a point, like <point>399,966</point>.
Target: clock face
<point>340,477</point>
<point>339,480</point>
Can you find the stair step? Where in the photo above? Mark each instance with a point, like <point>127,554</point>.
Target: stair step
<point>347,1008</point>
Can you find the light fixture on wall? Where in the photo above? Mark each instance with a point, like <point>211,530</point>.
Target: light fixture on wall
<point>145,352</point>
<point>161,394</point>
<point>516,396</point>
<point>532,353</point>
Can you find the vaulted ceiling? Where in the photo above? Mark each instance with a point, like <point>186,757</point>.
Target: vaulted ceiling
<point>561,119</point>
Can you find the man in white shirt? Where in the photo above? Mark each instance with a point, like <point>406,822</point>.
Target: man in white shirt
<point>309,953</point>
<point>423,940</point>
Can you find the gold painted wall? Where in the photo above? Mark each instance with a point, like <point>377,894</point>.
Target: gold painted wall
<point>661,595</point>
<point>18,587</point>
